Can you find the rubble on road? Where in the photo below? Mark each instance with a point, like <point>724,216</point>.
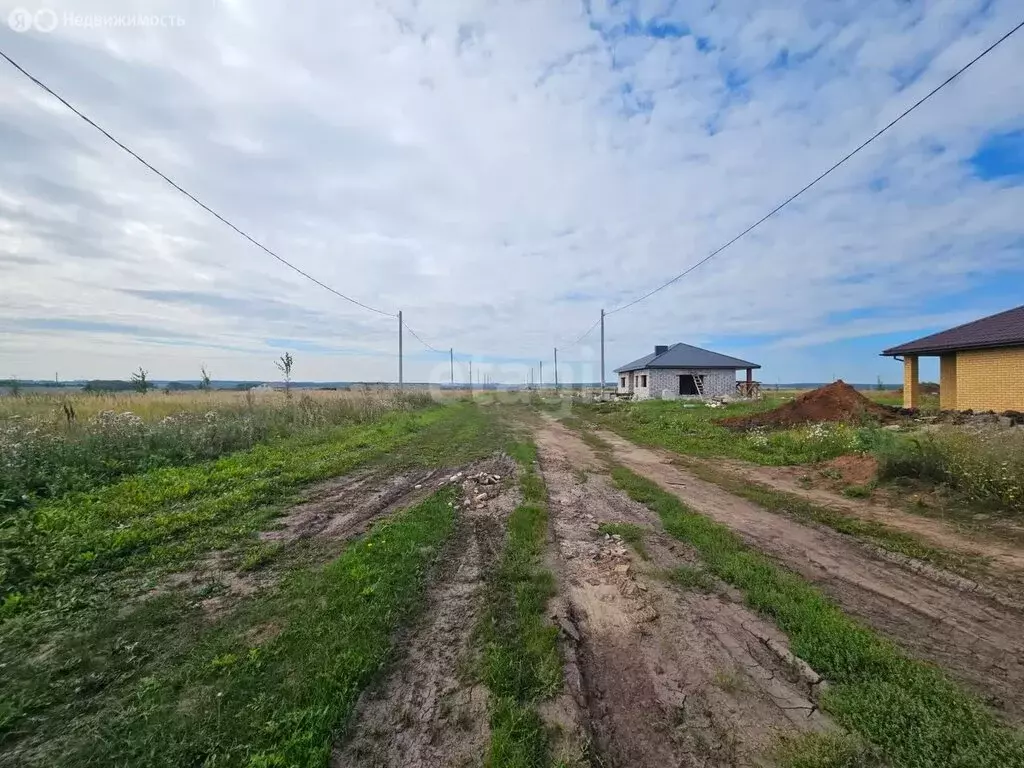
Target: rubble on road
<point>482,485</point>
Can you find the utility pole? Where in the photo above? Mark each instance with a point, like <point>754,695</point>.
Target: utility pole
<point>602,354</point>
<point>470,375</point>
<point>556,369</point>
<point>451,362</point>
<point>541,385</point>
<point>531,378</point>
<point>401,384</point>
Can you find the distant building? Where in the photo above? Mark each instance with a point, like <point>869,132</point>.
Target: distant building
<point>981,364</point>
<point>681,370</point>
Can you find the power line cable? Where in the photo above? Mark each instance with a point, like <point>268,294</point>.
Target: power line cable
<point>180,189</point>
<point>421,341</point>
<point>793,197</point>
<point>581,337</point>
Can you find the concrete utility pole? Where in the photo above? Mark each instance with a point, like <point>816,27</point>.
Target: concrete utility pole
<point>401,384</point>
<point>602,354</point>
<point>556,369</point>
<point>541,385</point>
<point>451,361</point>
<point>470,375</point>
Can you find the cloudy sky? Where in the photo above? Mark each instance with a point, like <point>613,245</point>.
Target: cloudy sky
<point>500,171</point>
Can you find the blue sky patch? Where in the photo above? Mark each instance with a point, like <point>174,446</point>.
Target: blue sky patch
<point>1000,156</point>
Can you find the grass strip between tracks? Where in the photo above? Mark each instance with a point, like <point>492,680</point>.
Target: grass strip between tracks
<point>911,712</point>
<point>521,662</point>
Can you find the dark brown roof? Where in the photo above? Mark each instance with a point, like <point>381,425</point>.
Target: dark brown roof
<point>1005,329</point>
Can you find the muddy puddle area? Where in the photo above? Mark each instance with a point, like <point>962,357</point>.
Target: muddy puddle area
<point>973,637</point>
<point>428,711</point>
<point>660,674</point>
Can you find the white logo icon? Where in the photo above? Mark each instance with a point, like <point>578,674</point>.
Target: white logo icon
<point>23,20</point>
<point>20,20</point>
<point>46,20</point>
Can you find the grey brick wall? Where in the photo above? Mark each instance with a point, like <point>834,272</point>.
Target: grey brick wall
<point>716,382</point>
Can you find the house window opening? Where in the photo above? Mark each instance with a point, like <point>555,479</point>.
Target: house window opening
<point>643,379</point>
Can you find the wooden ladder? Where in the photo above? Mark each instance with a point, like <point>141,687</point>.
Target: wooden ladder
<point>698,381</point>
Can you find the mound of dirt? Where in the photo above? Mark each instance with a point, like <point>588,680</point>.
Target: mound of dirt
<point>853,469</point>
<point>837,401</point>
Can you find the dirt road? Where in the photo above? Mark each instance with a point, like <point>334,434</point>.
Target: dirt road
<point>428,711</point>
<point>662,675</point>
<point>975,639</point>
<point>1007,558</point>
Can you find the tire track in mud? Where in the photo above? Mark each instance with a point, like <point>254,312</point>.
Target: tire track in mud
<point>661,676</point>
<point>427,711</point>
<point>975,639</point>
<point>342,508</point>
<point>330,514</point>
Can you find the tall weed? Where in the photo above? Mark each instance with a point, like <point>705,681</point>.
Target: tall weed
<point>985,467</point>
<point>44,455</point>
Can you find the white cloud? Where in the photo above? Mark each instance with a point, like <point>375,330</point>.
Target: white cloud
<point>475,165</point>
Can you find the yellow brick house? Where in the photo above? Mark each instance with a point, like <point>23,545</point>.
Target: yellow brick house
<point>981,364</point>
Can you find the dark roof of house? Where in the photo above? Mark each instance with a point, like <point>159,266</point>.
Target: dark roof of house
<point>681,355</point>
<point>1005,329</point>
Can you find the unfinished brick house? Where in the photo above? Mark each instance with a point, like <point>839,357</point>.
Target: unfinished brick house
<point>681,370</point>
<point>981,364</point>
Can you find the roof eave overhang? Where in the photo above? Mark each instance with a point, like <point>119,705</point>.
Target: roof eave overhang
<point>933,351</point>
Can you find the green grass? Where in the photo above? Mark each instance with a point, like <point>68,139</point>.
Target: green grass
<point>166,517</point>
<point>831,750</point>
<point>521,662</point>
<point>630,532</point>
<point>857,492</point>
<point>76,636</point>
<point>44,455</point>
<point>691,577</point>
<point>982,468</point>
<point>695,431</point>
<point>230,700</point>
<point>912,712</point>
<point>801,509</point>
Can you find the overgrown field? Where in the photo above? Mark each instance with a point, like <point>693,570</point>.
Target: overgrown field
<point>51,445</point>
<point>106,661</point>
<point>984,467</point>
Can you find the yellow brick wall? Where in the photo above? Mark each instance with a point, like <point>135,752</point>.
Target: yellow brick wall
<point>911,390</point>
<point>947,382</point>
<point>990,379</point>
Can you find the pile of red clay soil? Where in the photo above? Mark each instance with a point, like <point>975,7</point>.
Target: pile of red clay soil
<point>837,401</point>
